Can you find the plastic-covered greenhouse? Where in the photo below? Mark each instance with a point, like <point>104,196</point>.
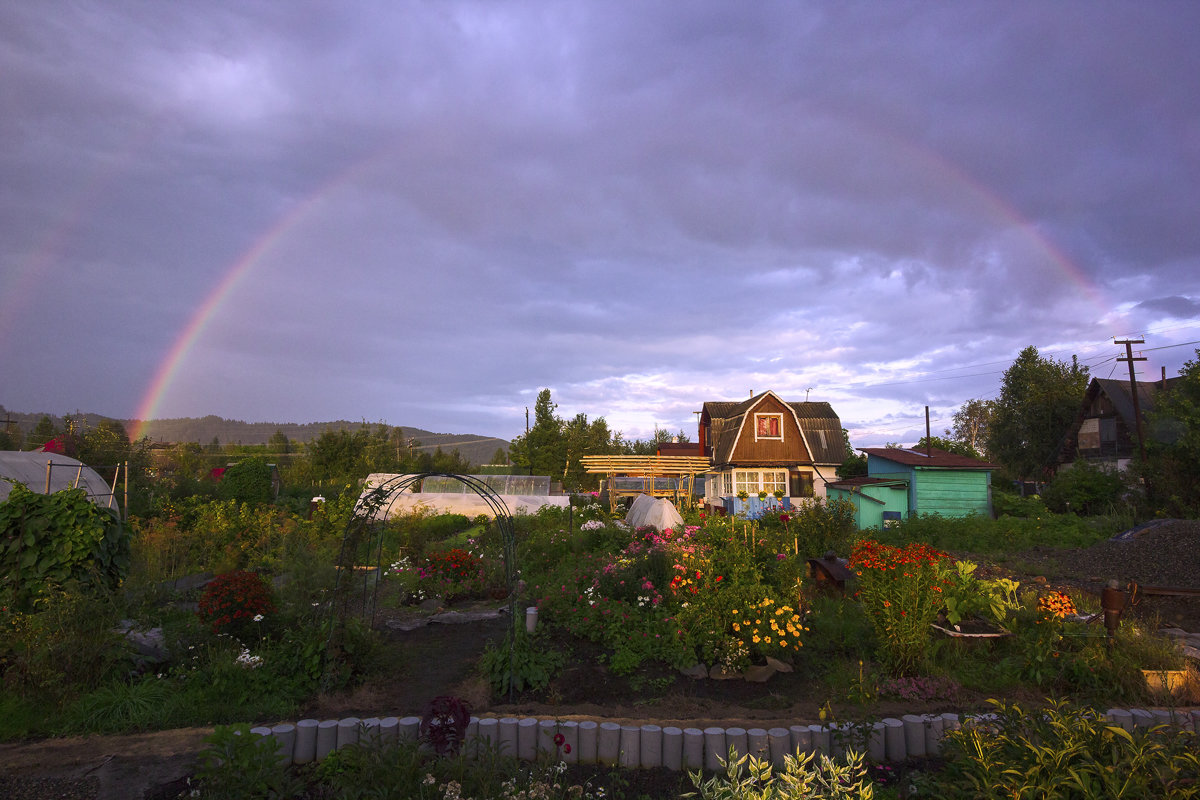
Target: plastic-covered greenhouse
<point>46,473</point>
<point>523,494</point>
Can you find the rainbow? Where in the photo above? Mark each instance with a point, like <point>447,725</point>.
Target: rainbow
<point>199,322</point>
<point>234,275</point>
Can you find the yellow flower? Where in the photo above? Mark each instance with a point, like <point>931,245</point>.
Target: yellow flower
<point>756,639</point>
<point>737,627</point>
<point>767,640</point>
<point>782,643</point>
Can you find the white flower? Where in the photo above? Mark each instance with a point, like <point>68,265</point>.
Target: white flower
<point>258,617</point>
<point>248,661</point>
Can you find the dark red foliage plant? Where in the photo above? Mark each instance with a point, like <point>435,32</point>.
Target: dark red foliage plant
<point>234,600</point>
<point>444,725</point>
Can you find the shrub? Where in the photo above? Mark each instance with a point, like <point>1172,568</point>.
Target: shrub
<point>248,481</point>
<point>67,644</point>
<point>444,726</point>
<point>1083,489</point>
<point>234,601</point>
<point>239,764</point>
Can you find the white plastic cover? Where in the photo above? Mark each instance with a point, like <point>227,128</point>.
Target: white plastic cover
<point>30,469</point>
<point>659,514</point>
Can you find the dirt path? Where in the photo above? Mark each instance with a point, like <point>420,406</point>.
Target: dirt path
<point>141,765</point>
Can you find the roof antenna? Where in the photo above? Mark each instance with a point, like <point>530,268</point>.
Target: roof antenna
<point>806,391</point>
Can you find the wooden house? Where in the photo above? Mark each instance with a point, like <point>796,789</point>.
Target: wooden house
<point>938,482</point>
<point>1105,431</point>
<point>766,444</point>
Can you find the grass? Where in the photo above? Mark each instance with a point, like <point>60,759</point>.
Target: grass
<point>999,537</point>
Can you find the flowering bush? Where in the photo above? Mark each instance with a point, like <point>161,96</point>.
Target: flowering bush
<point>1055,605</point>
<point>901,589</point>
<point>769,628</point>
<point>233,601</point>
<point>450,575</point>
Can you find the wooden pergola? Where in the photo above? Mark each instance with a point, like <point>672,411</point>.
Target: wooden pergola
<point>648,468</point>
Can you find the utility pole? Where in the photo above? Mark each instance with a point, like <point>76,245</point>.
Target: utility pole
<point>1137,411</point>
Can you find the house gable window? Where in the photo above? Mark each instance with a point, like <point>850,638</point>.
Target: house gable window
<point>768,426</point>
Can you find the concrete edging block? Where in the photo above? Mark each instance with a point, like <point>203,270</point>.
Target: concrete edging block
<point>715,749</point>
<point>894,740</point>
<point>306,741</point>
<point>672,748</point>
<point>589,734</point>
<point>693,748</point>
<point>608,744</point>
<point>650,753</point>
<point>326,737</point>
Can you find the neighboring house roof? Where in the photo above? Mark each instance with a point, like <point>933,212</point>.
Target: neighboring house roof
<point>1122,398</point>
<point>939,459</point>
<point>813,418</point>
<point>679,449</point>
<point>847,483</point>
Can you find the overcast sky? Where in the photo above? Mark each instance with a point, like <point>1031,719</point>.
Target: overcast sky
<point>421,213</point>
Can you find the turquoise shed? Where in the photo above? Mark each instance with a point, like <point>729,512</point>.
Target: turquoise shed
<point>875,500</point>
<point>938,482</point>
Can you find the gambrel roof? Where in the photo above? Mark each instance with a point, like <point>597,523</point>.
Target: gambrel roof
<point>818,422</point>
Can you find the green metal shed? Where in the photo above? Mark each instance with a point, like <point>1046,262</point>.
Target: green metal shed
<point>938,482</point>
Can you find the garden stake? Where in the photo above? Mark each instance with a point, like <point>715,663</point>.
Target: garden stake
<point>1113,600</point>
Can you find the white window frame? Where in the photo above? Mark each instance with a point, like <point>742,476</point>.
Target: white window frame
<point>753,481</point>
<point>767,414</point>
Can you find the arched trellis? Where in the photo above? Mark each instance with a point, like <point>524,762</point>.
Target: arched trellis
<point>370,511</point>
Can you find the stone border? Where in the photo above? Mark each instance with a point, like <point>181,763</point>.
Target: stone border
<point>637,746</point>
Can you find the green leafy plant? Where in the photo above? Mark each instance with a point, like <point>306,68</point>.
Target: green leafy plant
<point>144,704</point>
<point>815,776</point>
<point>239,764</point>
<point>522,662</point>
<point>1069,752</point>
<point>47,540</point>
<point>968,596</point>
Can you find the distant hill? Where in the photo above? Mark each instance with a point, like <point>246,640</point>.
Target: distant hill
<point>473,447</point>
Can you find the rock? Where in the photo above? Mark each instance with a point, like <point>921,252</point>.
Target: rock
<point>454,617</point>
<point>778,665</point>
<point>432,604</point>
<point>1174,633</point>
<point>149,646</point>
<point>717,673</point>
<point>758,674</point>
<point>698,671</point>
<point>189,583</point>
<point>1040,579</point>
<point>407,624</point>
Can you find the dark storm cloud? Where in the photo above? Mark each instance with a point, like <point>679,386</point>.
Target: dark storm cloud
<point>640,205</point>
